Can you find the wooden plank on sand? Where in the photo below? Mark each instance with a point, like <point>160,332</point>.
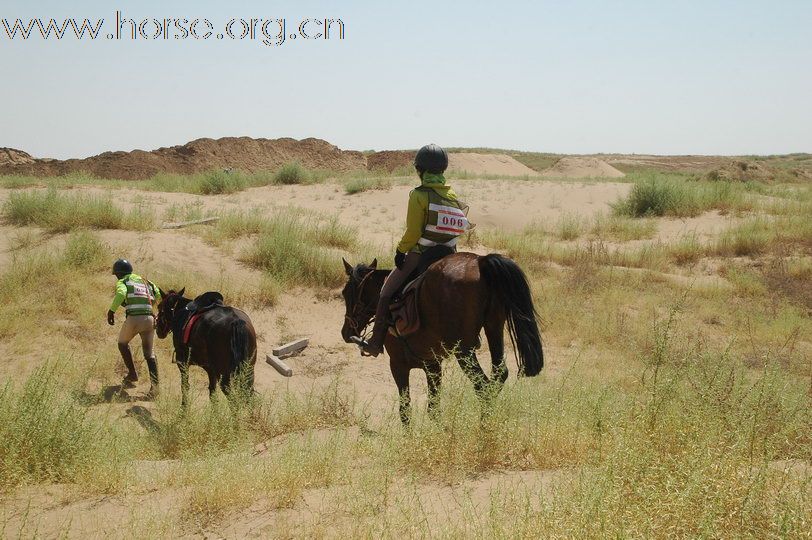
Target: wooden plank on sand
<point>289,349</point>
<point>279,365</point>
<point>182,224</point>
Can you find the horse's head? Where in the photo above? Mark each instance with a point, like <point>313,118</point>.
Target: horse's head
<point>360,298</point>
<point>170,303</point>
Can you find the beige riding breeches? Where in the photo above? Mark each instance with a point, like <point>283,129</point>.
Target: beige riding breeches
<point>144,325</point>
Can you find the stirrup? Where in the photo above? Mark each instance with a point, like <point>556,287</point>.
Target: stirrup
<point>362,344</point>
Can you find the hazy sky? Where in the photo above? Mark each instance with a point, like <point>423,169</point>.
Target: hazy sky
<point>704,77</point>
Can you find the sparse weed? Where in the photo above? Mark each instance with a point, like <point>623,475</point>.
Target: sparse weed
<point>569,227</point>
<point>686,251</point>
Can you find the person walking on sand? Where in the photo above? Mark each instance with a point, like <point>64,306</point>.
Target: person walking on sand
<point>435,217</point>
<point>138,296</point>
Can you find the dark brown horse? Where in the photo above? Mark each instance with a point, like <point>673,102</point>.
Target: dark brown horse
<point>222,341</point>
<point>461,294</point>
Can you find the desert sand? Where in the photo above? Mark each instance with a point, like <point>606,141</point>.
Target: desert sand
<point>487,164</point>
<point>581,167</point>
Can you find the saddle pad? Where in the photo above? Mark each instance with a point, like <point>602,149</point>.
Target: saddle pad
<point>187,328</point>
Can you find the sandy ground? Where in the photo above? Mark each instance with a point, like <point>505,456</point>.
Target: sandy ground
<point>379,217</point>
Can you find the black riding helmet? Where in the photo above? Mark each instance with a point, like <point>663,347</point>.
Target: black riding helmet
<point>432,159</point>
<point>122,267</point>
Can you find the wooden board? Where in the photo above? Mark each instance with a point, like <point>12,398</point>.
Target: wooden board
<point>289,349</point>
<point>279,365</point>
<point>182,224</point>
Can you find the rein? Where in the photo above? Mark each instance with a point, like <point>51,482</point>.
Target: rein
<point>370,309</point>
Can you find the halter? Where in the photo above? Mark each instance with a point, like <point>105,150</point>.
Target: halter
<point>365,308</point>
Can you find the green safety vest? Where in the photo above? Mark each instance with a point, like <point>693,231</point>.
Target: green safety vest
<point>446,220</point>
<point>140,295</point>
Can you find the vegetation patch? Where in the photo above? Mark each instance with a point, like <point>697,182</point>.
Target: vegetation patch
<point>60,212</point>
<point>357,185</point>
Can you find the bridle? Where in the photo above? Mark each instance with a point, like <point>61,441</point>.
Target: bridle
<point>359,309</point>
<point>171,317</point>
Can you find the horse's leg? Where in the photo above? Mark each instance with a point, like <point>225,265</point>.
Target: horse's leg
<point>182,361</point>
<point>225,383</point>
<point>212,383</point>
<point>495,332</point>
<point>183,366</point>
<point>470,366</point>
<point>400,372</point>
<point>434,376</point>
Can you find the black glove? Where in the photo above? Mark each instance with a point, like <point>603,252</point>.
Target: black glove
<point>111,318</point>
<point>400,258</point>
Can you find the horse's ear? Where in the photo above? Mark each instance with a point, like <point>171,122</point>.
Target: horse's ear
<point>374,264</point>
<point>347,266</point>
<point>180,292</point>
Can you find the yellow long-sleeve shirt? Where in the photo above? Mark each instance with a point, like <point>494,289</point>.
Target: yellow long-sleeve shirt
<point>417,213</point>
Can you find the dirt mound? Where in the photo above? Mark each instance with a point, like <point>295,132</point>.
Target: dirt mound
<point>10,156</point>
<point>491,164</point>
<point>744,171</point>
<point>390,160</point>
<point>200,155</point>
<point>582,167</point>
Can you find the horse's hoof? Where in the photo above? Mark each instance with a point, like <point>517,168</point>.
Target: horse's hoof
<point>128,383</point>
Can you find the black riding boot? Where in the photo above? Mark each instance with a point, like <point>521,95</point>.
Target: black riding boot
<point>127,356</point>
<point>374,346</point>
<point>152,365</point>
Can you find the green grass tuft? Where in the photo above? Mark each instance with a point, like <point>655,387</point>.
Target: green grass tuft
<point>58,212</point>
<point>357,185</point>
<point>292,173</point>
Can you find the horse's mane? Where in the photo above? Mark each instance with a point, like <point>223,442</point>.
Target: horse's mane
<point>362,270</point>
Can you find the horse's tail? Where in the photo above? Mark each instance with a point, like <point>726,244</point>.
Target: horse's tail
<point>508,283</point>
<point>241,350</point>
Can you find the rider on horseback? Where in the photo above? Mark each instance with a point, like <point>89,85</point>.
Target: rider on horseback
<point>138,296</point>
<point>435,218</point>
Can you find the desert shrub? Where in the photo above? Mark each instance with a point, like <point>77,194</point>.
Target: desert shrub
<point>657,196</point>
<point>750,238</point>
<point>218,182</point>
<point>58,212</point>
<point>295,248</point>
<point>569,227</point>
<point>623,229</point>
<point>357,185</point>
<point>677,196</point>
<point>84,250</point>
<point>687,250</point>
<point>46,436</point>
<point>292,173</point>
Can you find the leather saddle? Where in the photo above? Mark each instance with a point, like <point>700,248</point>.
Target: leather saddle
<point>404,312</point>
<point>197,307</point>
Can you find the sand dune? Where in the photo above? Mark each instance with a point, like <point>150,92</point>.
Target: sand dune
<point>582,167</point>
<point>495,164</point>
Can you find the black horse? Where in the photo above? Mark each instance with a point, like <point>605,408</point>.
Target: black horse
<point>222,341</point>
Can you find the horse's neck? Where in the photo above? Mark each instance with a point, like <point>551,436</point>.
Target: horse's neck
<point>181,315</point>
<point>377,279</point>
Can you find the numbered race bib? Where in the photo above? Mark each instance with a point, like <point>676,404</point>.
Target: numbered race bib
<point>450,220</point>
<point>139,290</point>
